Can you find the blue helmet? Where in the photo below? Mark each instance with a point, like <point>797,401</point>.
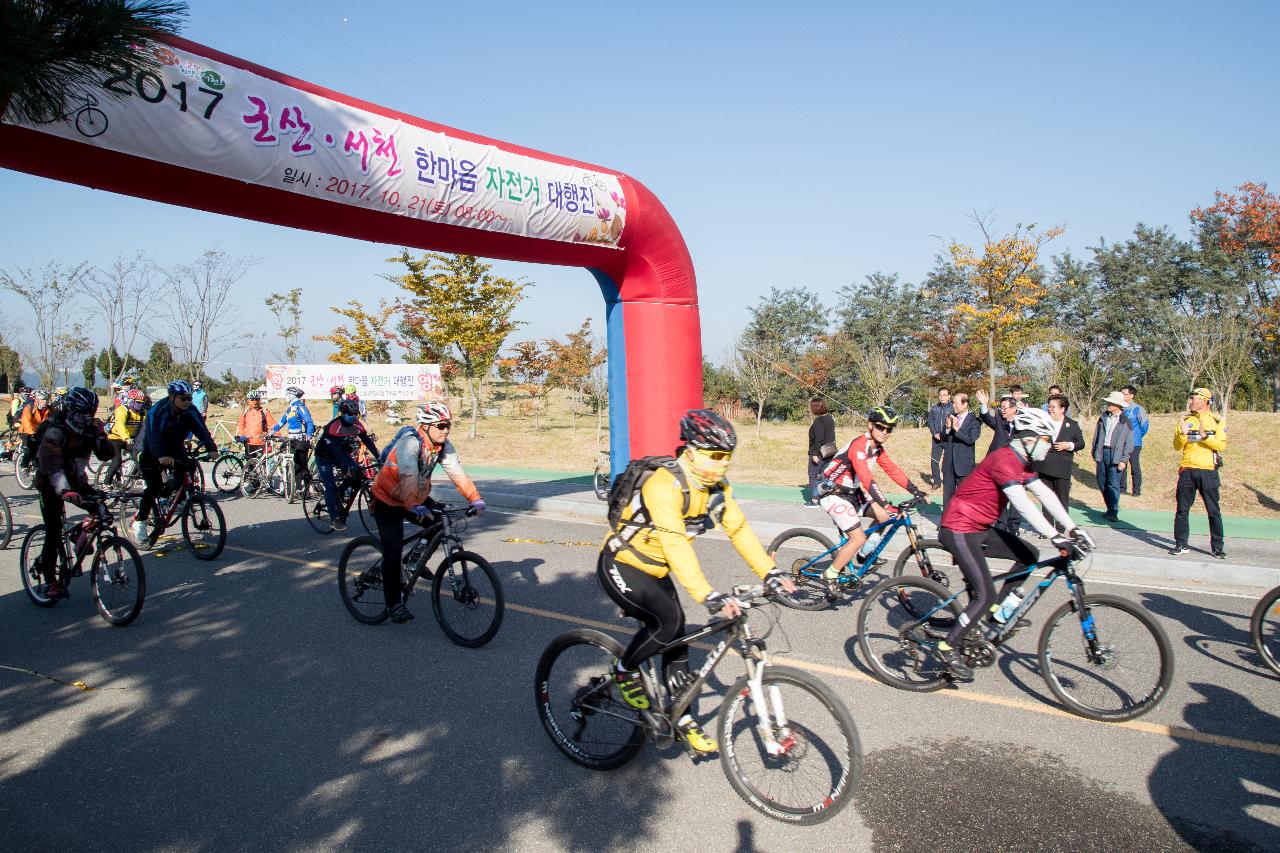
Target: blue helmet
<point>179,388</point>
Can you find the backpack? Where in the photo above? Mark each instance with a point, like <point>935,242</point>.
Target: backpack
<point>626,490</point>
<point>833,471</point>
<point>395,439</point>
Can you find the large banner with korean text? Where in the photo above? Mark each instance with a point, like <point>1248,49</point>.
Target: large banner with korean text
<point>372,381</point>
<point>210,117</point>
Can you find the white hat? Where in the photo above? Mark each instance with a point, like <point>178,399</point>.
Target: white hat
<point>1115,398</point>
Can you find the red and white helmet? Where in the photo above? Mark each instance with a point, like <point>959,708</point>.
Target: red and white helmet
<point>434,413</point>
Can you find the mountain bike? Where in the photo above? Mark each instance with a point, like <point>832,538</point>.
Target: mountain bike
<point>266,470</point>
<point>1118,668</point>
<point>6,522</point>
<point>601,477</point>
<point>228,468</point>
<point>466,595</point>
<point>115,570</point>
<point>1264,628</point>
<point>204,527</point>
<point>788,745</point>
<point>807,554</point>
<point>354,490</point>
<point>127,477</point>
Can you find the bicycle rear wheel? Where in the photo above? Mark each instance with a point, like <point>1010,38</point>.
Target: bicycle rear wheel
<point>228,473</point>
<point>929,559</point>
<point>6,522</point>
<point>253,480</point>
<point>1127,675</point>
<point>1264,628</point>
<point>905,660</point>
<point>820,765</point>
<point>204,527</point>
<point>23,470</point>
<point>29,566</point>
<point>119,582</point>
<point>600,482</point>
<point>360,580</point>
<point>804,554</point>
<point>579,704</point>
<point>366,514</point>
<point>466,596</point>
<point>314,508</point>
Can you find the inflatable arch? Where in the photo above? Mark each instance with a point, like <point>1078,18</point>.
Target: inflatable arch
<point>211,131</point>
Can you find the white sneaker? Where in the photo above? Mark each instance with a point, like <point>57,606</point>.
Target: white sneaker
<point>139,530</point>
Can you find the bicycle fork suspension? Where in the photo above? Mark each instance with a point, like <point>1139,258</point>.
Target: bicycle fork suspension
<point>771,717</point>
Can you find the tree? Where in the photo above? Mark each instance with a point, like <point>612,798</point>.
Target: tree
<point>598,390</point>
<point>51,295</point>
<point>198,303</point>
<point>68,347</point>
<point>458,311</point>
<point>10,367</point>
<point>882,374</point>
<point>160,368</point>
<point>1194,344</point>
<point>369,341</point>
<point>124,294</point>
<point>527,367</point>
<point>783,332</point>
<point>55,52</point>
<point>89,368</point>
<point>572,362</point>
<point>288,310</point>
<point>756,375</point>
<point>1231,357</point>
<point>1002,287</point>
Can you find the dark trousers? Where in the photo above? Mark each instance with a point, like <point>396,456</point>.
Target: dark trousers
<point>325,467</point>
<point>1190,482</point>
<point>301,453</point>
<point>390,521</point>
<point>52,512</point>
<point>815,474</point>
<point>950,482</point>
<point>1109,481</point>
<point>970,551</point>
<point>936,452</point>
<point>651,600</point>
<point>1061,487</point>
<point>119,447</point>
<point>1135,465</point>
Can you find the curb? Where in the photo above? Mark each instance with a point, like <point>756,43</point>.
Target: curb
<point>1207,572</point>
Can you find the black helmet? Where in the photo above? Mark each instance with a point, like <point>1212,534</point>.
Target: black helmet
<point>885,415</point>
<point>708,430</point>
<point>81,401</point>
<point>295,391</point>
<point>349,407</point>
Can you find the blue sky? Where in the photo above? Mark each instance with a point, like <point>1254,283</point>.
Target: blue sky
<point>805,144</point>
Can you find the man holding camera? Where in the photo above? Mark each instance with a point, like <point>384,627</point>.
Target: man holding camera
<point>1201,437</point>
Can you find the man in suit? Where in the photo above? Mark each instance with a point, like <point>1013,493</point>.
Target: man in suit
<point>962,431</point>
<point>1112,444</point>
<point>1002,430</point>
<point>1055,470</point>
<point>938,413</point>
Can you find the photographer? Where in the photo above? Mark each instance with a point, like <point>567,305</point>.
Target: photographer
<point>1201,436</point>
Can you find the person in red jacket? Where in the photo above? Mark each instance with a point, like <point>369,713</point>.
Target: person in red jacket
<point>850,491</point>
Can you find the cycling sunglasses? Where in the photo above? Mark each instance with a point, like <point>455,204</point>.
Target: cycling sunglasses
<point>443,425</point>
<point>884,428</point>
<point>716,455</point>
<point>186,397</point>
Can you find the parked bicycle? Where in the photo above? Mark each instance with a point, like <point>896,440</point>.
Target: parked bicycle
<point>115,570</point>
<point>788,744</point>
<point>355,490</point>
<point>1118,668</point>
<point>1264,628</point>
<point>204,527</point>
<point>466,595</point>
<point>601,477</point>
<point>808,554</point>
<point>227,473</point>
<point>267,470</point>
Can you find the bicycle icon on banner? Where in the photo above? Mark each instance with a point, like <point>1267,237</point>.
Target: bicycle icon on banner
<point>90,121</point>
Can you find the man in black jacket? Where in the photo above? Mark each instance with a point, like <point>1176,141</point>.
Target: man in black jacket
<point>1002,430</point>
<point>937,418</point>
<point>962,431</point>
<point>1056,468</point>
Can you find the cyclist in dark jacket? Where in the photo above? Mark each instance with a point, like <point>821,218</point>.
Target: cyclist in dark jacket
<point>66,441</point>
<point>163,443</point>
<point>335,448</point>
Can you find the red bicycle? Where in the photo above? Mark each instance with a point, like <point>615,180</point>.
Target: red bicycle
<point>204,527</point>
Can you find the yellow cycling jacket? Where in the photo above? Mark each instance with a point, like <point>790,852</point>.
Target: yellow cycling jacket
<point>125,424</point>
<point>668,544</point>
<point>1199,454</point>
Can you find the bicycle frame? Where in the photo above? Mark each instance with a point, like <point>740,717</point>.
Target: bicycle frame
<point>896,522</point>
<point>441,531</point>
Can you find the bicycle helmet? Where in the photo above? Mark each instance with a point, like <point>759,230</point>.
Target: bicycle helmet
<point>179,388</point>
<point>350,389</point>
<point>295,391</point>
<point>135,400</point>
<point>336,391</point>
<point>349,407</point>
<point>197,385</point>
<point>42,395</point>
<point>80,405</point>
<point>253,395</point>
<point>433,413</point>
<point>707,430</point>
<point>883,415</point>
<point>1033,422</point>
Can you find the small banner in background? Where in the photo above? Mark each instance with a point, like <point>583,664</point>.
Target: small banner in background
<point>372,381</point>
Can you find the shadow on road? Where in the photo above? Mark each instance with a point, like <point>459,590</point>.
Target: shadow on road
<point>1208,628</point>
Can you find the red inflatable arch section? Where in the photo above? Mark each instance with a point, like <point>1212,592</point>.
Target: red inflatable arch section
<point>655,355</point>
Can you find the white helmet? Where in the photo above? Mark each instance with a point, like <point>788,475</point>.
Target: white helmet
<point>1034,421</point>
<point>433,413</point>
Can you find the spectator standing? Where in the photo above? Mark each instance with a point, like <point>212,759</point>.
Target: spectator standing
<point>1137,416</point>
<point>822,431</point>
<point>1002,430</point>
<point>200,399</point>
<point>937,418</point>
<point>1056,468</point>
<point>963,430</point>
<point>1018,395</point>
<point>1112,445</point>
<point>1201,436</point>
<point>1053,389</point>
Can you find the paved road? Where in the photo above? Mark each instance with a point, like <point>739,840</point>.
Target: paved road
<point>245,710</point>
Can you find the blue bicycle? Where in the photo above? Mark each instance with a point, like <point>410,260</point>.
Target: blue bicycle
<point>807,554</point>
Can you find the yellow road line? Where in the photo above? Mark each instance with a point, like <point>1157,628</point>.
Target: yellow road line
<point>1176,732</point>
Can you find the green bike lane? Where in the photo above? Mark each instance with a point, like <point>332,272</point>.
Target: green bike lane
<point>280,723</point>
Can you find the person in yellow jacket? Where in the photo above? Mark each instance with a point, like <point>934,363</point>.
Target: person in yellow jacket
<point>1201,436</point>
<point>676,502</point>
<point>125,424</point>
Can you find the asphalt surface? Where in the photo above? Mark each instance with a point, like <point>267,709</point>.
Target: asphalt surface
<point>246,710</point>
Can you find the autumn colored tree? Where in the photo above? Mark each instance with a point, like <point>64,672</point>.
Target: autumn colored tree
<point>527,367</point>
<point>458,310</point>
<point>571,363</point>
<point>367,340</point>
<point>1002,287</point>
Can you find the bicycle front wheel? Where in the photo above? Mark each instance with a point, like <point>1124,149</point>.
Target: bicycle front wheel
<point>814,764</point>
<point>360,580</point>
<point>6,522</point>
<point>24,471</point>
<point>252,481</point>
<point>204,527</point>
<point>1264,628</point>
<point>600,482</point>
<point>579,704</point>
<point>228,473</point>
<point>804,554</point>
<point>466,596</point>
<point>898,654</point>
<point>365,513</point>
<point>314,509</point>
<point>119,582</point>
<point>29,565</point>
<point>930,560</point>
<point>1122,674</point>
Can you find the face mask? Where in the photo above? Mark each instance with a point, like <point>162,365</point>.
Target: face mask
<point>253,404</point>
<point>705,470</point>
<point>348,419</point>
<point>1038,452</point>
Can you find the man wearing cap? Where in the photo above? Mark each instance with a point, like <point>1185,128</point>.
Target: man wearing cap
<point>1112,444</point>
<point>1201,437</point>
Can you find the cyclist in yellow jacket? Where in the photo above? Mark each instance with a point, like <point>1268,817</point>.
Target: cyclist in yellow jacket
<point>125,424</point>
<point>653,542</point>
<point>1201,436</point>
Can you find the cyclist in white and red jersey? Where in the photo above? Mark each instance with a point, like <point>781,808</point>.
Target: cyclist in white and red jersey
<point>849,487</point>
<point>1003,477</point>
